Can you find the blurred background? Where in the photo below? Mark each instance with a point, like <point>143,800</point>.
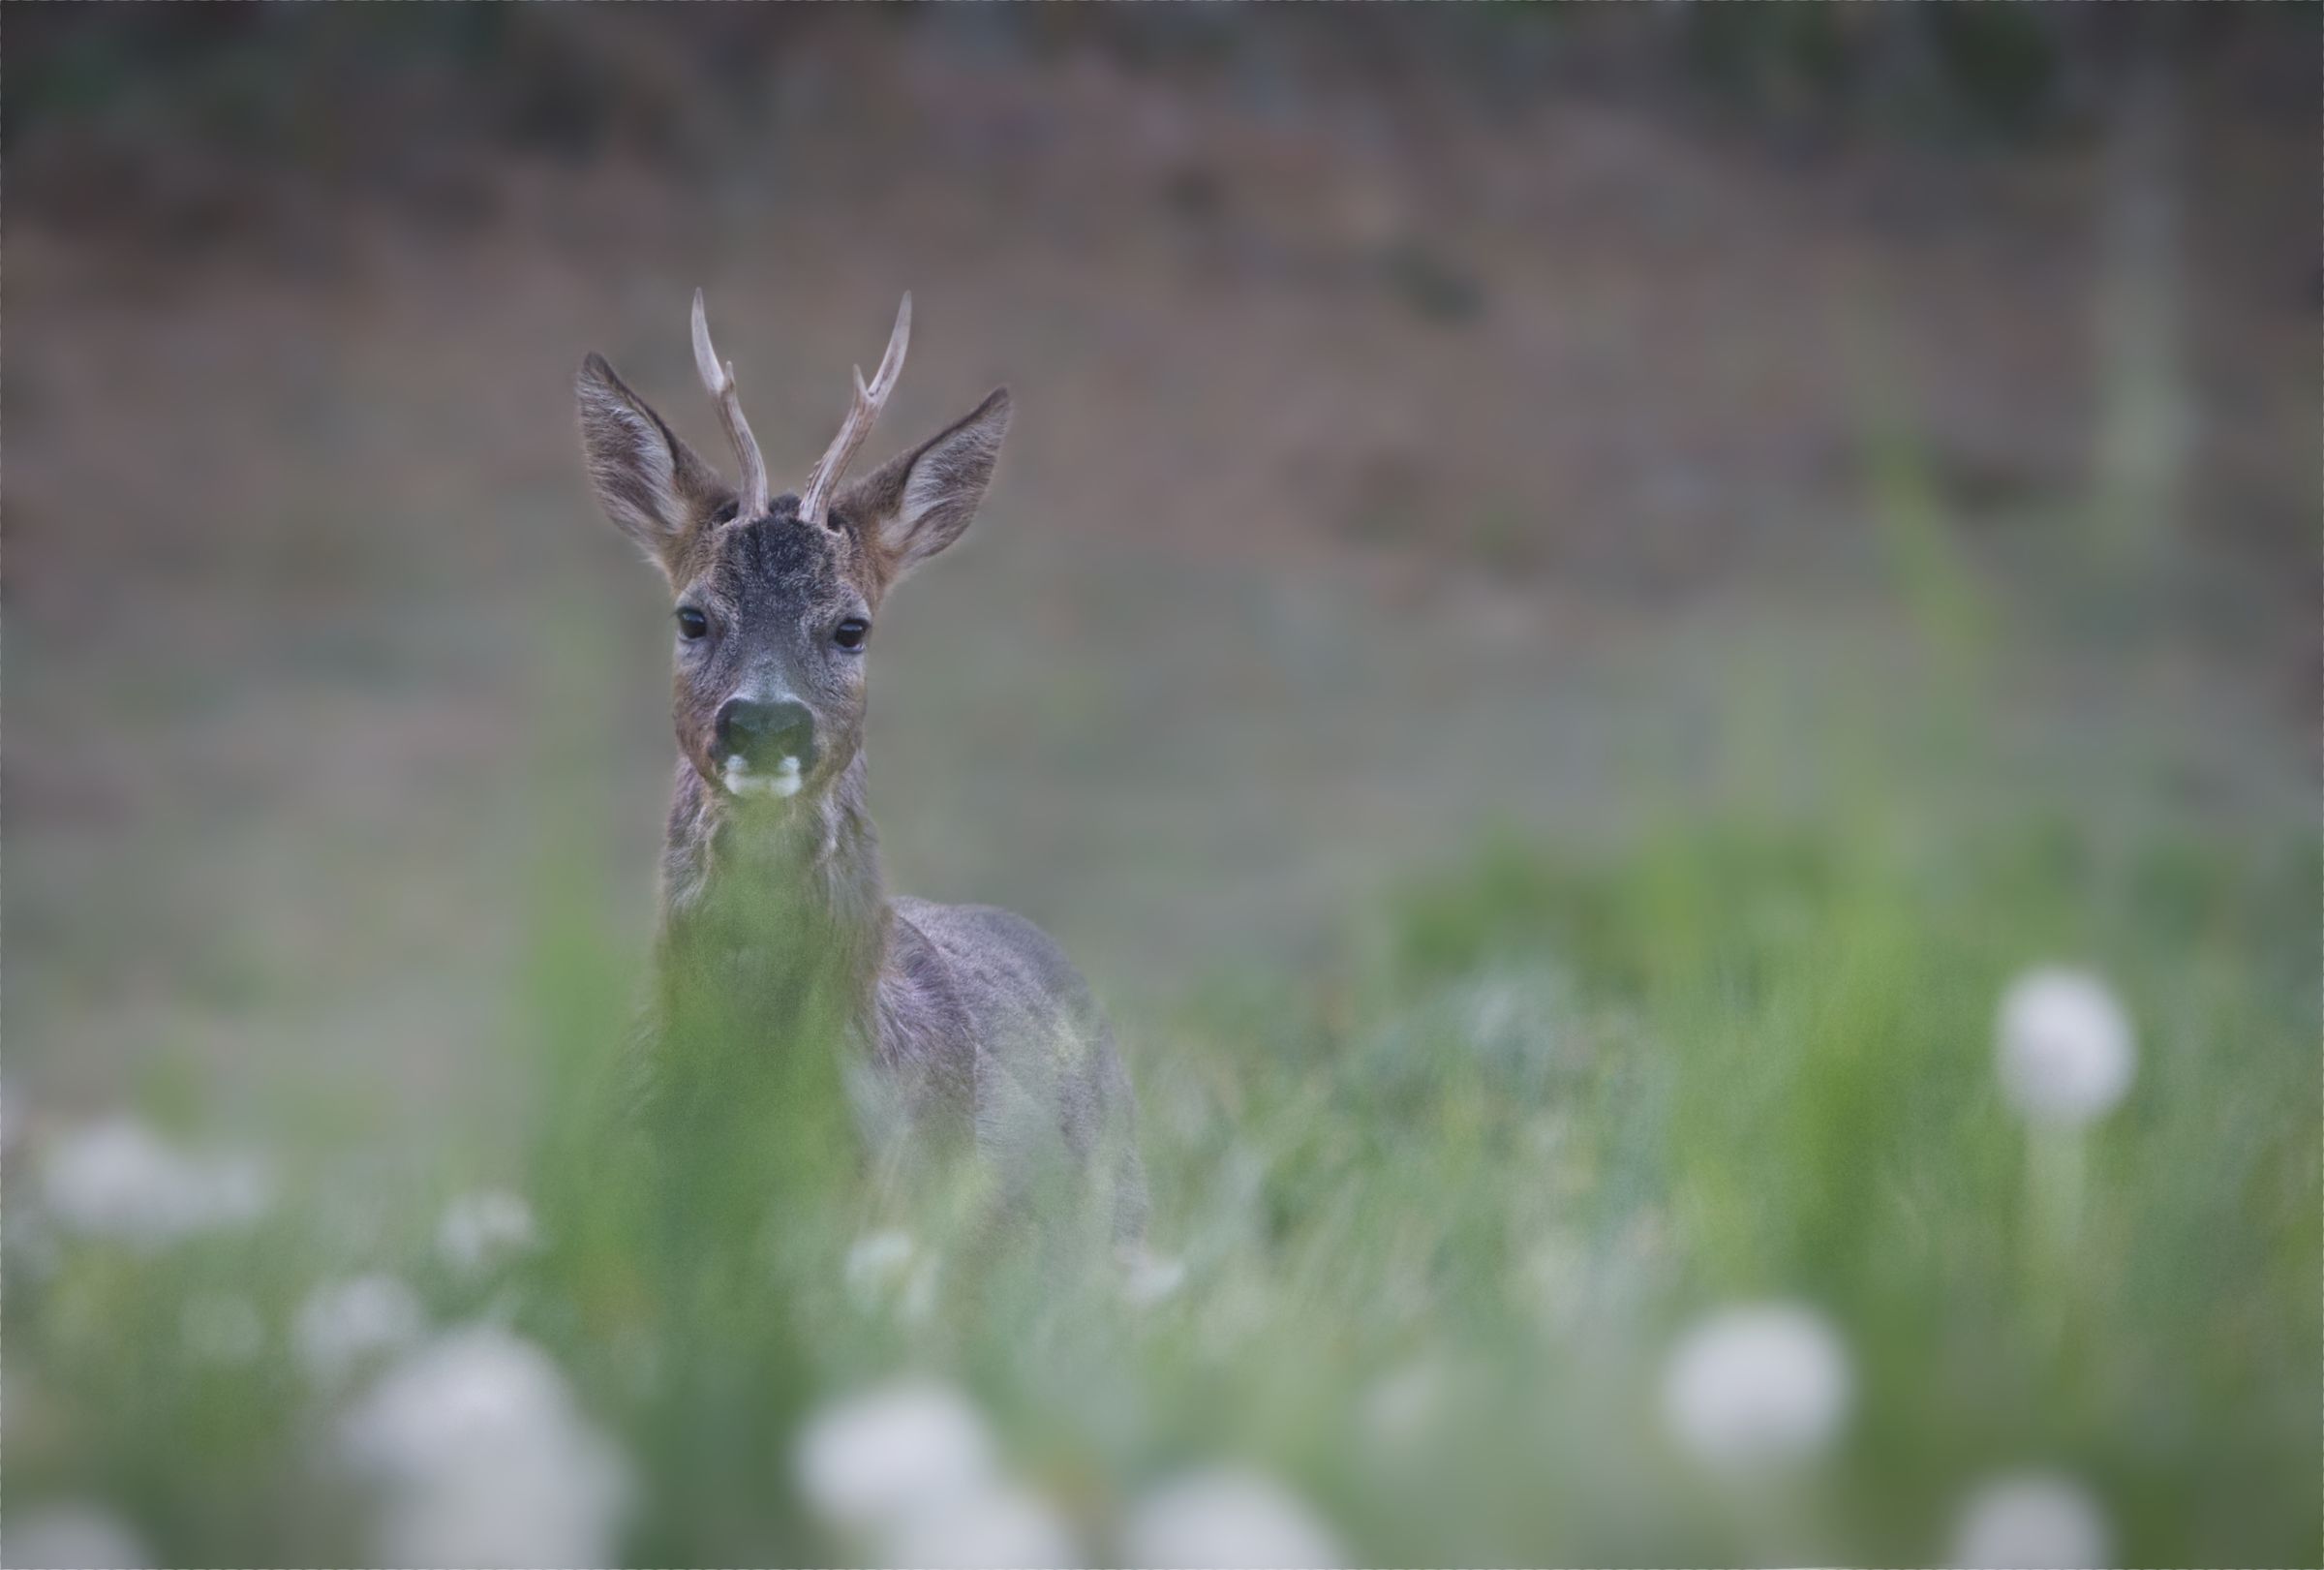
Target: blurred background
<point>1661,554</point>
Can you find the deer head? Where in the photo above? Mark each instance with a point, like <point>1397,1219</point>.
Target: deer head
<point>775,598</point>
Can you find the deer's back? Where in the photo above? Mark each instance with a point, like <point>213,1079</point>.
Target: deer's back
<point>984,1010</point>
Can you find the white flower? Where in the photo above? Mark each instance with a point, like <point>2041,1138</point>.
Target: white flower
<point>2064,1046</point>
<point>481,1229</point>
<point>1761,1385</point>
<point>119,1181</point>
<point>909,1472</point>
<point>220,1327</point>
<point>1222,1518</point>
<point>878,1458</point>
<point>70,1537</point>
<point>984,1528</point>
<point>482,1457</point>
<point>1149,1277</point>
<point>344,1323</point>
<point>2033,1522</point>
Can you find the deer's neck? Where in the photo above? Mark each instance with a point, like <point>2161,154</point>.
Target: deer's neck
<point>775,924</point>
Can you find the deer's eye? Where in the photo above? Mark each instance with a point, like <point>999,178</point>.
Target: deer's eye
<point>851,632</point>
<point>692,622</point>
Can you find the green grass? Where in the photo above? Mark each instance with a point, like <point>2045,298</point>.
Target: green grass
<point>1547,1110</point>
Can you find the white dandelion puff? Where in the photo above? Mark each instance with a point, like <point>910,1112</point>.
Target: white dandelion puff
<point>118,1181</point>
<point>481,1455</point>
<point>993,1527</point>
<point>483,1229</point>
<point>1222,1518</point>
<point>344,1324</point>
<point>2030,1522</point>
<point>2062,1047</point>
<point>1756,1386</point>
<point>878,1458</point>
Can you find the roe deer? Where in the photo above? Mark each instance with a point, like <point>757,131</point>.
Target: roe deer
<point>959,1027</point>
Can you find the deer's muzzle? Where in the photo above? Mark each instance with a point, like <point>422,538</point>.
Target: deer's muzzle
<point>765,748</point>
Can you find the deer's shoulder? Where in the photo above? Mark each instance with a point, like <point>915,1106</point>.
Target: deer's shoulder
<point>994,960</point>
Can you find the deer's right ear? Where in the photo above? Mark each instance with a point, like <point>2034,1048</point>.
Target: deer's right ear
<point>649,481</point>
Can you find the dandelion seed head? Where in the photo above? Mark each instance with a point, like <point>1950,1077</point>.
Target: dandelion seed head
<point>118,1181</point>
<point>480,1454</point>
<point>2064,1047</point>
<point>1762,1385</point>
<point>1222,1518</point>
<point>2030,1522</point>
<point>877,1458</point>
<point>993,1527</point>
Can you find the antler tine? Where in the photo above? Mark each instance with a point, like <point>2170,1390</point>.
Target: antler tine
<point>861,416</point>
<point>718,376</point>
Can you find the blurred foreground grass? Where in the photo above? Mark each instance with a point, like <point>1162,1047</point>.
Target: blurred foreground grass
<point>1441,1216</point>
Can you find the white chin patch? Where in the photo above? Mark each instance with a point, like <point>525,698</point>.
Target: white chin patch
<point>738,781</point>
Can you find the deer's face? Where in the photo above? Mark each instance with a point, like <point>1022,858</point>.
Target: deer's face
<point>771,633</point>
<point>774,599</point>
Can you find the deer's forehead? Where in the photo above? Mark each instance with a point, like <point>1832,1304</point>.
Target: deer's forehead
<point>781,559</point>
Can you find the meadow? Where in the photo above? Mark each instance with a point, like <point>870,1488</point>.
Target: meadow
<point>1676,721</point>
<point>1432,1227</point>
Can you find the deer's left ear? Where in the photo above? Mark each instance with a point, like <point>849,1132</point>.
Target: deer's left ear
<point>916,504</point>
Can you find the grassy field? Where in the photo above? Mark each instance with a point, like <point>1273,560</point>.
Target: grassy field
<point>1433,1221</point>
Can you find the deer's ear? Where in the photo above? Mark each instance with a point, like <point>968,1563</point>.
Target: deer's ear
<point>649,481</point>
<point>920,503</point>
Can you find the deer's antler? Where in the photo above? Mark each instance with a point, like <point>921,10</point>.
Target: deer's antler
<point>719,377</point>
<point>861,416</point>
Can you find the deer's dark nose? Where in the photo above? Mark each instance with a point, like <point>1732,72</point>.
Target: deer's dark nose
<point>763,734</point>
